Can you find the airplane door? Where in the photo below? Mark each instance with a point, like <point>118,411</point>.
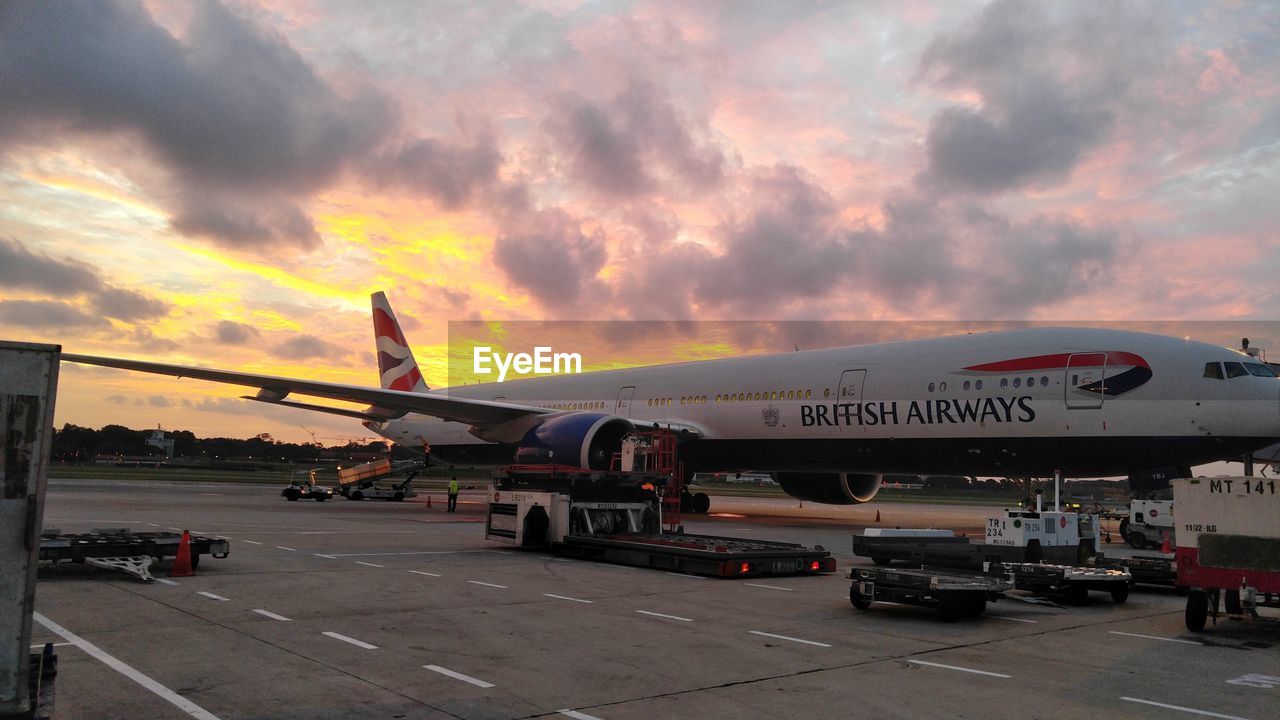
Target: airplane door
<point>1085,379</point>
<point>623,406</point>
<point>850,389</point>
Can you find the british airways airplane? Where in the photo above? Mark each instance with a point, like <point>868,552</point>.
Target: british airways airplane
<point>829,424</point>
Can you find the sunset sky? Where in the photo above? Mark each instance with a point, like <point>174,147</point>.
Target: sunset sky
<point>225,184</point>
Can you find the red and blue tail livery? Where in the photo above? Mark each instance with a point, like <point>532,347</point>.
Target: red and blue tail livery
<point>396,366</point>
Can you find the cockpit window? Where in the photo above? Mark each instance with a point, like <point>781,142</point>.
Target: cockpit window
<point>1235,369</point>
<point>1213,370</point>
<point>1259,370</point>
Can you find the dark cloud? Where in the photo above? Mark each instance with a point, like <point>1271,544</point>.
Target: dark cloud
<point>160,401</point>
<point>229,332</point>
<point>1052,78</point>
<point>548,254</point>
<point>305,347</point>
<point>151,343</point>
<point>22,268</point>
<point>44,314</point>
<point>117,399</point>
<point>623,146</point>
<point>128,305</point>
<point>235,113</point>
<point>450,174</point>
<point>1038,137</point>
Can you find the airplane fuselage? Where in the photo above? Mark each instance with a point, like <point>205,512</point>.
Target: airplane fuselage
<point>1029,402</point>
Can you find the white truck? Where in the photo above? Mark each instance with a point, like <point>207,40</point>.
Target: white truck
<point>1228,545</point>
<point>1045,529</point>
<point>1149,522</point>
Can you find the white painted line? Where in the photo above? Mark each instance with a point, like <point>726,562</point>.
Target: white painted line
<point>770,587</point>
<point>1183,709</point>
<point>961,669</point>
<point>174,529</point>
<point>353,641</point>
<point>566,597</point>
<point>153,525</point>
<point>412,552</point>
<point>251,542</point>
<point>361,562</point>
<point>272,615</point>
<point>577,715</point>
<point>669,617</point>
<point>327,557</point>
<point>40,646</point>
<point>459,676</point>
<point>1154,637</point>
<point>423,572</point>
<point>684,575</point>
<point>110,661</point>
<point>477,582</point>
<point>1014,619</point>
<point>287,548</point>
<point>211,596</point>
<point>166,581</point>
<point>501,552</point>
<point>222,537</point>
<point>785,637</point>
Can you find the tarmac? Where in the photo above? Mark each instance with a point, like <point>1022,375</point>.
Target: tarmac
<point>395,610</point>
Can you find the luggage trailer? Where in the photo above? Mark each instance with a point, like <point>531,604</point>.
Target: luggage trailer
<point>617,517</point>
<point>120,549</point>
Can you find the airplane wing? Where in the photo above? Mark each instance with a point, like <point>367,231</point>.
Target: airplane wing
<point>383,404</point>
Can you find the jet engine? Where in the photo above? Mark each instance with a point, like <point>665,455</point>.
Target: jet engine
<point>830,487</point>
<point>580,439</point>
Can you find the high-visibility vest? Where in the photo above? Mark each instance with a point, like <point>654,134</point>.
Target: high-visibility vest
<point>453,487</point>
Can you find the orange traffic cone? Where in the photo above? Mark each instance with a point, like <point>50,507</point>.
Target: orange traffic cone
<point>1164,547</point>
<point>182,561</point>
<point>877,516</point>
<point>428,501</point>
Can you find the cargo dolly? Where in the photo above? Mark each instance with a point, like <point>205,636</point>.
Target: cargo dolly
<point>1074,583</point>
<point>955,594</point>
<point>619,516</point>
<point>120,549</point>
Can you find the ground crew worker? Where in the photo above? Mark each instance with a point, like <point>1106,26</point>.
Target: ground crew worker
<point>453,495</point>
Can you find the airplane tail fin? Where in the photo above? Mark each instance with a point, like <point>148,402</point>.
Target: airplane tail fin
<point>396,366</point>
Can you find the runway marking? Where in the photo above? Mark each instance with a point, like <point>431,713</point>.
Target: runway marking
<point>153,525</point>
<point>424,572</point>
<point>281,547</point>
<point>174,529</point>
<point>770,587</point>
<point>272,615</point>
<point>785,637</point>
<point>577,715</point>
<point>110,661</point>
<point>327,557</point>
<point>1183,709</point>
<point>477,582</point>
<point>961,669</point>
<point>222,537</point>
<point>40,646</point>
<point>1014,619</point>
<point>459,676</point>
<point>166,581</point>
<point>1154,637</point>
<point>353,641</point>
<point>566,597</point>
<point>251,542</point>
<point>669,617</point>
<point>361,562</point>
<point>211,596</point>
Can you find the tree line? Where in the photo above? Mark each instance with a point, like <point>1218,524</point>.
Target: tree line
<point>75,444</point>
